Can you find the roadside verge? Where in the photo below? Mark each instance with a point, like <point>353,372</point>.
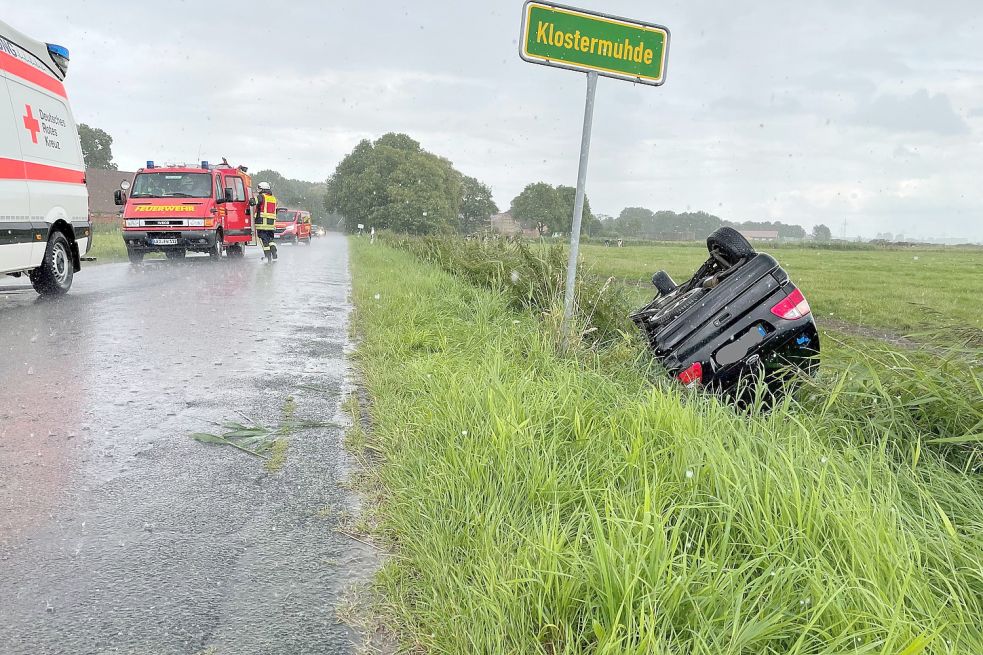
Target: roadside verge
<point>535,503</point>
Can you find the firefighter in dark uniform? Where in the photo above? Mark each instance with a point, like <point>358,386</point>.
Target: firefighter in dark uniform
<point>266,220</point>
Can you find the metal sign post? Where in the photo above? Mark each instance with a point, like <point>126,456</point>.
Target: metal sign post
<point>578,211</point>
<point>597,44</point>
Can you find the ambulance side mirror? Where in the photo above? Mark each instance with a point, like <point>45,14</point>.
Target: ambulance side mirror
<point>120,197</point>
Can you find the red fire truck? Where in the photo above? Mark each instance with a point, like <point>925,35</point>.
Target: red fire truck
<point>177,209</point>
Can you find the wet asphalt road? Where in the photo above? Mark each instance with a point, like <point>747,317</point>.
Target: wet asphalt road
<point>119,533</point>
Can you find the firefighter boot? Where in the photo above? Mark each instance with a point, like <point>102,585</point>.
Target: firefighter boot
<point>273,249</point>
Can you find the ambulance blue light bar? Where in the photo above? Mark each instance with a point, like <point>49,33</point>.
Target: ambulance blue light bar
<point>59,55</point>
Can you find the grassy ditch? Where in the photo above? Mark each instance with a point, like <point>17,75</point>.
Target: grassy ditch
<point>543,504</point>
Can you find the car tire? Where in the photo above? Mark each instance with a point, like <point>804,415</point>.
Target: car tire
<point>135,256</point>
<point>663,283</point>
<point>215,252</point>
<point>54,276</point>
<point>176,254</point>
<point>731,244</point>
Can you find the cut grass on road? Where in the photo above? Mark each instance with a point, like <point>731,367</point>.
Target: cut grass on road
<point>541,504</point>
<point>872,288</point>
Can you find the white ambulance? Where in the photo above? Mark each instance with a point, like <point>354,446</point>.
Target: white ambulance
<point>44,215</point>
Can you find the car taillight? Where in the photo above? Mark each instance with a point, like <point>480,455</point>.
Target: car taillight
<point>792,306</point>
<point>692,375</point>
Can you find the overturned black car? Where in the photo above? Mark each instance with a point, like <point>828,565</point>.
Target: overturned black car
<point>739,320</point>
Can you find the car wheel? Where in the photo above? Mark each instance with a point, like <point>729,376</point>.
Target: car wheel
<point>54,276</point>
<point>663,283</point>
<point>215,252</point>
<point>731,244</point>
<point>135,256</point>
<point>175,254</point>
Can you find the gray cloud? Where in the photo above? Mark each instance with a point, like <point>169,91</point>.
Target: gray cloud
<point>919,112</point>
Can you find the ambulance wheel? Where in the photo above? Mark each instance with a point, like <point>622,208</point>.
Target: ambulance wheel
<point>54,276</point>
<point>135,256</point>
<point>215,252</point>
<point>176,254</point>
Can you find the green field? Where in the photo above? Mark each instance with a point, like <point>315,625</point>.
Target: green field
<point>535,502</point>
<point>897,290</point>
<point>107,244</point>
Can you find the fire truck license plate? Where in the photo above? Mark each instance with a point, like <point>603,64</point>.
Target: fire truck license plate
<point>164,242</point>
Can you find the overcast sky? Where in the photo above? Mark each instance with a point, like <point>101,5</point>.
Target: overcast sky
<point>868,113</point>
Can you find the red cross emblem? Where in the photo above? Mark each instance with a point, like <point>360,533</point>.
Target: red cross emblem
<point>31,124</point>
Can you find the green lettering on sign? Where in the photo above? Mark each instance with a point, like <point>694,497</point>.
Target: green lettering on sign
<point>556,35</point>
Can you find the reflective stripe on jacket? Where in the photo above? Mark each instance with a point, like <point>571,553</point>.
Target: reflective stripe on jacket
<point>266,219</point>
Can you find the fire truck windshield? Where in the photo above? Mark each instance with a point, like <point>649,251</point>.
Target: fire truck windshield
<point>172,185</point>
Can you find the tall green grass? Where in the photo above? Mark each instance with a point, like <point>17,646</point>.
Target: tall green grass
<point>545,504</point>
<point>107,243</point>
<point>532,277</point>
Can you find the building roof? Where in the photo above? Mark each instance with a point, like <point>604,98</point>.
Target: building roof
<point>759,234</point>
<point>102,184</point>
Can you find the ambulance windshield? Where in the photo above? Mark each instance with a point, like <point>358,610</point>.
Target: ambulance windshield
<point>172,185</point>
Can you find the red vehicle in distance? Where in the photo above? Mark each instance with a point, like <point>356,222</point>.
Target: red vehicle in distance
<point>293,225</point>
<point>177,209</point>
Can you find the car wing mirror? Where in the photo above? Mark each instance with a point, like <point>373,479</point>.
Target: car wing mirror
<point>229,195</point>
<point>119,197</point>
<point>252,202</point>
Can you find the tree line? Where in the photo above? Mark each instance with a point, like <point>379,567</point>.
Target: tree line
<point>666,225</point>
<point>393,183</point>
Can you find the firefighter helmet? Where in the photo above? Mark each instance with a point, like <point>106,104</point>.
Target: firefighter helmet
<point>264,186</point>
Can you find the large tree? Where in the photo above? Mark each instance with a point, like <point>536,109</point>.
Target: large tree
<point>395,184</point>
<point>536,207</point>
<point>635,222</point>
<point>549,209</point>
<point>477,205</point>
<point>822,233</point>
<point>567,197</point>
<point>97,147</point>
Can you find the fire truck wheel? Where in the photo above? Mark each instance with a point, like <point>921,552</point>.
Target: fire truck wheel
<point>135,256</point>
<point>296,240</point>
<point>176,254</point>
<point>234,251</point>
<point>216,250</point>
<point>307,241</point>
<point>54,276</point>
